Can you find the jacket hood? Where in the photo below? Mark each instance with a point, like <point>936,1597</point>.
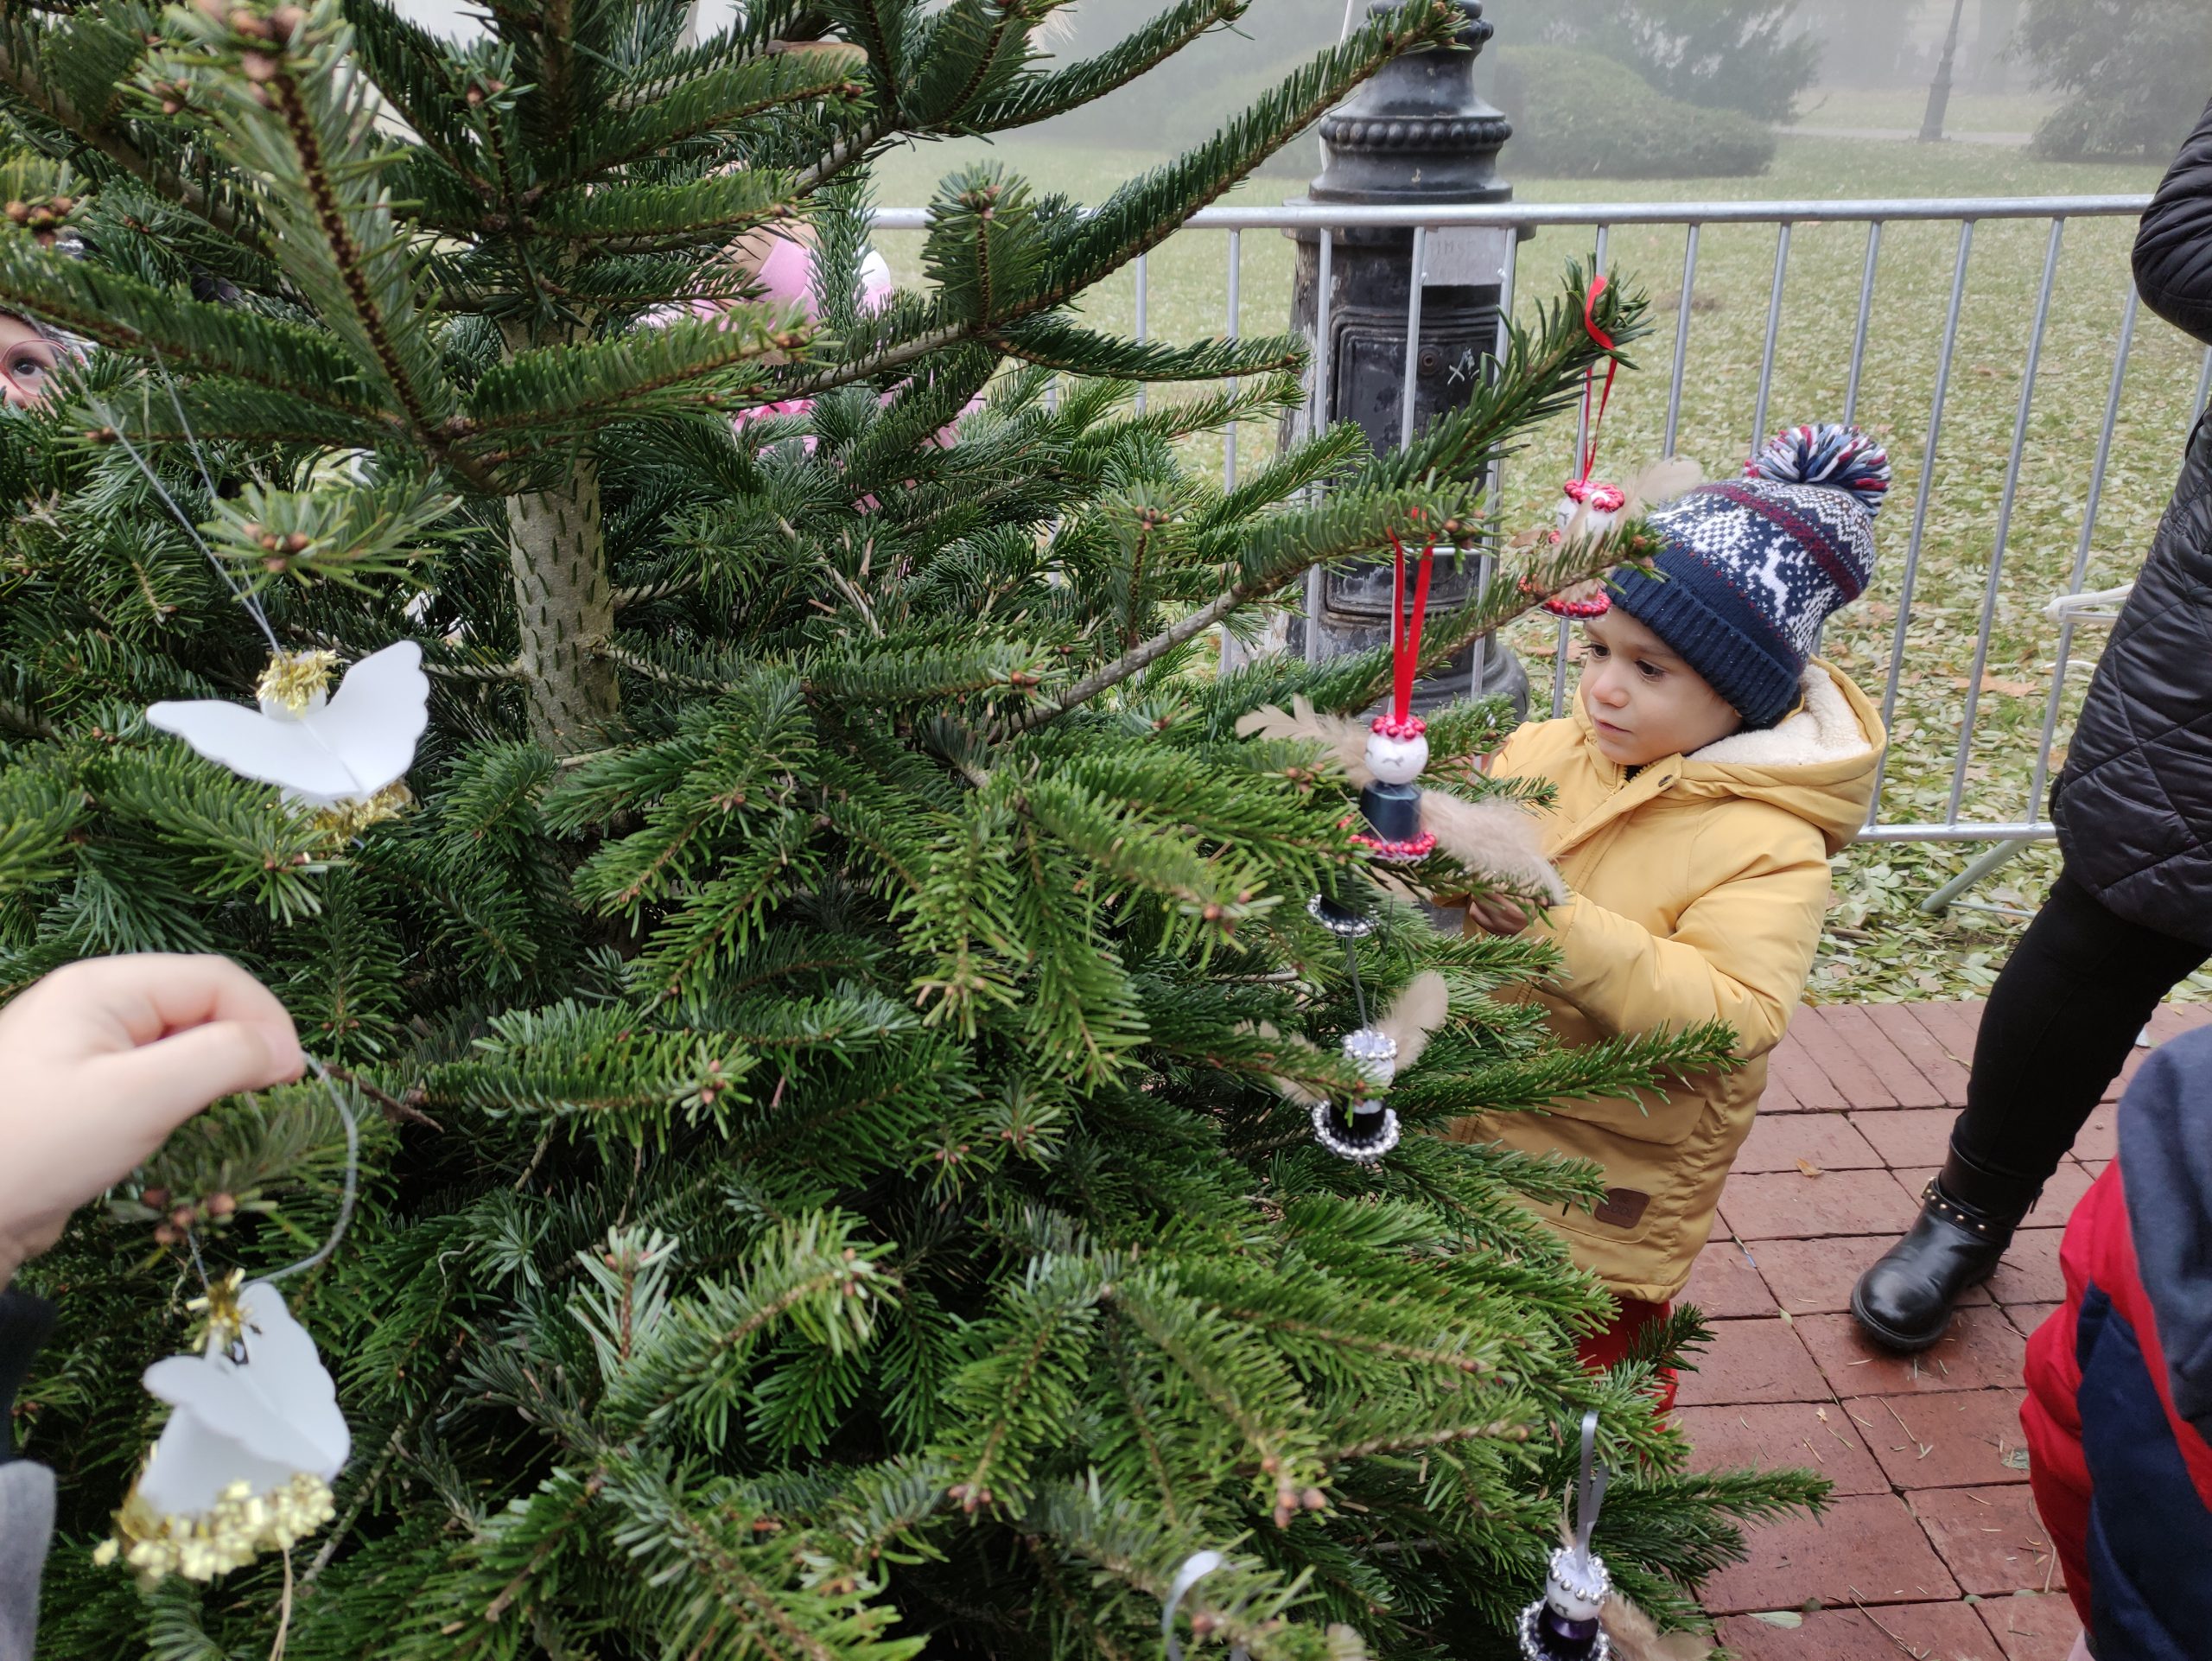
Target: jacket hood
<point>2166,1161</point>
<point>1818,763</point>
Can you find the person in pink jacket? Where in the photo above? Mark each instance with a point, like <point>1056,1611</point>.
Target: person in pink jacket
<point>783,267</point>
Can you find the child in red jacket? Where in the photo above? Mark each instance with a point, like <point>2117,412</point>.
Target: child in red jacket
<point>2118,1411</point>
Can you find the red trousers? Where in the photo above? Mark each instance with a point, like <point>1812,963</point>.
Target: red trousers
<point>1611,1344</point>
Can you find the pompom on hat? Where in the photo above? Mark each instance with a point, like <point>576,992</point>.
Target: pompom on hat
<point>1749,569</point>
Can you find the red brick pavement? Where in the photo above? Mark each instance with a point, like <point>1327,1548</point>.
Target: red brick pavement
<point>1931,1546</point>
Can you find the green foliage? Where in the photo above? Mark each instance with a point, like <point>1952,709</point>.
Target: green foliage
<point>822,1022</point>
<point>2133,72</point>
<point>1577,113</point>
<point>1753,56</point>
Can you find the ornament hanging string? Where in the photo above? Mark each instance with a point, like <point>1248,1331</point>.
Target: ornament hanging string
<point>183,421</point>
<point>1352,967</point>
<point>238,592</point>
<point>352,1189</point>
<point>1589,1489</point>
<point>348,1193</point>
<point>1405,629</point>
<point>1588,460</point>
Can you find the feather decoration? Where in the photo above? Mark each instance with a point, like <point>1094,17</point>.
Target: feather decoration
<point>1290,1089</point>
<point>1343,739</point>
<point>1630,1634</point>
<point>1634,1637</point>
<point>1658,484</point>
<point>1661,482</point>
<point>1416,1015</point>
<point>1599,511</point>
<point>1494,839</point>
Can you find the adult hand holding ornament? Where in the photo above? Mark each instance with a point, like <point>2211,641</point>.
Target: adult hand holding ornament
<point>254,1437</point>
<point>132,1046</point>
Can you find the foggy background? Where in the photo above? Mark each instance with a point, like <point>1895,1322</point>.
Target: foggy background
<point>2064,80</point>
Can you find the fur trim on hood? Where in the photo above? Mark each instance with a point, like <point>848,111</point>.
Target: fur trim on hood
<point>1823,728</point>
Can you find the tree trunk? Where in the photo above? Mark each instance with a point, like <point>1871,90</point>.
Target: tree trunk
<point>557,550</point>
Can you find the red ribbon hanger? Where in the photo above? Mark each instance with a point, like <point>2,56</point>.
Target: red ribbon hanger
<point>1405,631</point>
<point>1590,423</point>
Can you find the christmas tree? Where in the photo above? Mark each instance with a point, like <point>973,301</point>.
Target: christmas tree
<point>829,1021</point>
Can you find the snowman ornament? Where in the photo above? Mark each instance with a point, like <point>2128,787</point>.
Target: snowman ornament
<point>1361,1128</point>
<point>1397,751</point>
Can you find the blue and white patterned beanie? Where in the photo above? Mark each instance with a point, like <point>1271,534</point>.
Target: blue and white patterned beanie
<point>1749,569</point>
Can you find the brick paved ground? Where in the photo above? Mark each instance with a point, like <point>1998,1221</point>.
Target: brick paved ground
<point>1931,1547</point>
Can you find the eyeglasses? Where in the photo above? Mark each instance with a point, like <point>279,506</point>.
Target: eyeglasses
<point>26,368</point>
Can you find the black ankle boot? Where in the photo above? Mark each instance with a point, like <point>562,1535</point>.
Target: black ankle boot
<point>1966,1219</point>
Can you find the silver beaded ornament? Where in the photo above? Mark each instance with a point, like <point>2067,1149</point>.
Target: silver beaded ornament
<point>1566,1623</point>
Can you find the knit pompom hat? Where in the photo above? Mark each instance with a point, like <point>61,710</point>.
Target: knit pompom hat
<point>1749,569</point>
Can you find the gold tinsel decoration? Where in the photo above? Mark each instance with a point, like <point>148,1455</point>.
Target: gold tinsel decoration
<point>296,678</point>
<point>346,820</point>
<point>222,1321</point>
<point>242,1525</point>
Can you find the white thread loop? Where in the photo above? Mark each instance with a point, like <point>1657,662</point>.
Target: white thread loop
<point>1196,1567</point>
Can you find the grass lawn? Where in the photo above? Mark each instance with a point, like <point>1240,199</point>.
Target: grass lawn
<point>1879,945</point>
<point>1902,108</point>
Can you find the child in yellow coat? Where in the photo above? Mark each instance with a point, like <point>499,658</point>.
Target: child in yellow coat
<point>1710,769</point>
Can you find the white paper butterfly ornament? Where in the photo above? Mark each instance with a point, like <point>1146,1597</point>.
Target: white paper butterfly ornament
<point>254,1440</point>
<point>344,753</point>
<point>255,1437</point>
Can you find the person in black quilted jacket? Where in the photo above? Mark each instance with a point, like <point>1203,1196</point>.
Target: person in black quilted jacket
<point>2131,913</point>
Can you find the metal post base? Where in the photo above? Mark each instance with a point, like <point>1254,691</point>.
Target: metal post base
<point>2002,855</point>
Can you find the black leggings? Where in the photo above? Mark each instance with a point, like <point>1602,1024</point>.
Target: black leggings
<point>2062,1018</point>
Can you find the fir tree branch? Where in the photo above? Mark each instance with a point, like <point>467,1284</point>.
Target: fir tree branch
<point>1038,97</point>
<point>969,45</point>
<point>411,74</point>
<point>1416,1441</point>
<point>712,103</point>
<point>553,393</point>
<point>766,26</point>
<point>1147,210</point>
<point>1381,499</point>
<point>1054,343</point>
<point>703,215</point>
<point>849,148</point>
<point>23,53</point>
<point>191,336</point>
<point>1129,663</point>
<point>302,121</point>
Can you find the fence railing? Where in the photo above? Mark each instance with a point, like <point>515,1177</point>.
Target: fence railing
<point>1481,246</point>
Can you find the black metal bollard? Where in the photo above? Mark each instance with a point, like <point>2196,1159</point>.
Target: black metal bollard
<point>1415,133</point>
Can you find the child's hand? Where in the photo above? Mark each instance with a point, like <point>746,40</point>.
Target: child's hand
<point>1497,915</point>
<point>101,1061</point>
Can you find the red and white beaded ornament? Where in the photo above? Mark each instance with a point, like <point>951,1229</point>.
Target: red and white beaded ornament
<point>1589,508</point>
<point>1397,740</point>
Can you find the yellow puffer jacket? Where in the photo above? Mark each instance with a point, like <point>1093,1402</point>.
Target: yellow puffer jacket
<point>1699,888</point>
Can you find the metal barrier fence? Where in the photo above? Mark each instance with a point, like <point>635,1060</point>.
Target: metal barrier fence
<point>1455,235</point>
